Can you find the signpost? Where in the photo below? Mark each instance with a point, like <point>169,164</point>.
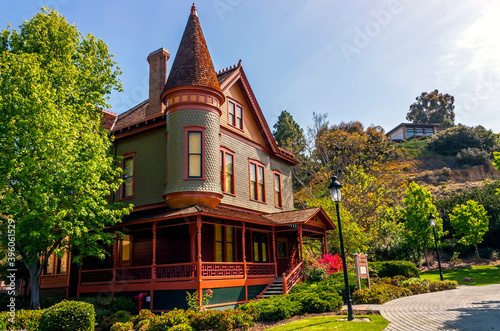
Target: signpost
<point>362,271</point>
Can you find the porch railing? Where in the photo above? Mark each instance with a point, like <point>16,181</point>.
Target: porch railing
<point>177,272</point>
<point>292,278</point>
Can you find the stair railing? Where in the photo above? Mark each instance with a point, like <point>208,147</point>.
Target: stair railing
<point>292,278</point>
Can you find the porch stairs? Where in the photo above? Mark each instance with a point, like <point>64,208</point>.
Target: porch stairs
<point>273,289</point>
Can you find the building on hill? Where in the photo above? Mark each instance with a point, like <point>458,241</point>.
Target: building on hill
<point>212,193</point>
<point>407,131</point>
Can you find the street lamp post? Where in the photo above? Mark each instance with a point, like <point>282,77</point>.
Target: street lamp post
<point>336,197</point>
<point>432,221</point>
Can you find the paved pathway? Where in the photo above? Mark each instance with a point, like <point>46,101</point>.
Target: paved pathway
<point>465,308</point>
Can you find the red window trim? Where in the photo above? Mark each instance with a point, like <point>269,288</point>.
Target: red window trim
<point>223,183</point>
<point>276,172</point>
<point>194,128</point>
<point>122,187</point>
<point>257,164</point>
<point>236,104</point>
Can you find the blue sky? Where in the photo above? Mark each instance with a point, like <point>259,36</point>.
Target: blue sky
<point>362,60</point>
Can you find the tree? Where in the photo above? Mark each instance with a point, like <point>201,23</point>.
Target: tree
<point>419,204</point>
<point>432,107</point>
<point>470,221</point>
<point>288,134</point>
<point>461,137</point>
<point>56,171</point>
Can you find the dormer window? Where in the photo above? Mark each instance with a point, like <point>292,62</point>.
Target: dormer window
<point>235,114</point>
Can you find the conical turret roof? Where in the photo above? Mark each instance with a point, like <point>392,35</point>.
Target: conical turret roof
<point>192,65</point>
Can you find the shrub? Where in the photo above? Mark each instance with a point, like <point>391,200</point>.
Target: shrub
<point>279,307</point>
<point>192,300</point>
<point>122,326</point>
<point>393,268</point>
<point>167,320</point>
<point>442,285</point>
<point>182,327</point>
<point>121,316</point>
<point>318,302</point>
<point>315,272</point>
<point>332,262</point>
<point>455,139</point>
<point>143,325</point>
<point>414,281</point>
<point>144,315</point>
<point>473,156</point>
<point>379,294</point>
<point>68,315</point>
<point>24,320</point>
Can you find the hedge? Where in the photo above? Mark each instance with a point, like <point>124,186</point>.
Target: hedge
<point>393,268</point>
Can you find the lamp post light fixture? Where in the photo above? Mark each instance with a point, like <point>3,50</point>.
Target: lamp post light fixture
<point>336,197</point>
<point>432,222</point>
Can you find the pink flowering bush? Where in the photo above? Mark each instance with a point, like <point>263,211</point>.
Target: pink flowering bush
<point>332,263</point>
<point>317,270</point>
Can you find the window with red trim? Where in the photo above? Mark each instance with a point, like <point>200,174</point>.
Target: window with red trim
<point>278,198</point>
<point>227,171</point>
<point>194,158</point>
<point>128,165</point>
<point>235,115</point>
<point>257,182</point>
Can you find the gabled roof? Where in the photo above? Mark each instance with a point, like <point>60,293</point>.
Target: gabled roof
<point>230,76</point>
<point>192,65</point>
<point>132,116</point>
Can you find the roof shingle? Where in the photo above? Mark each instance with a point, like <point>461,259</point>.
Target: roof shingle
<point>193,65</point>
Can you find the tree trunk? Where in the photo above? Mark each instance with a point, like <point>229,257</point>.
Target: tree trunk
<point>477,252</point>
<point>426,259</point>
<point>35,286</point>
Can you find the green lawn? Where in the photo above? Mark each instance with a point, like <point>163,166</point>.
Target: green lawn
<point>482,275</point>
<point>330,323</point>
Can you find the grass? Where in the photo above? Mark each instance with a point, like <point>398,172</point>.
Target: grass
<point>330,323</point>
<point>482,275</point>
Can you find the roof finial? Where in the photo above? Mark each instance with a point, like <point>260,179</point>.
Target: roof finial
<point>193,11</point>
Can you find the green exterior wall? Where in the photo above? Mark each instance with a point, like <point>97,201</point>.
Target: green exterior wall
<point>176,122</point>
<point>150,160</point>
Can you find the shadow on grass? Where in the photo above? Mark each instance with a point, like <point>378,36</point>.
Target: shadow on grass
<point>485,315</point>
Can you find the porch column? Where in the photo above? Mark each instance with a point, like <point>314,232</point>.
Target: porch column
<point>300,242</point>
<point>274,253</point>
<point>198,229</point>
<point>153,264</point>
<point>243,250</point>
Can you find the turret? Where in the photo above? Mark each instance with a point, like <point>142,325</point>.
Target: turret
<point>192,97</point>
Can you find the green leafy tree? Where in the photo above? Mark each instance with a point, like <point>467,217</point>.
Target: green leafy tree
<point>419,204</point>
<point>470,221</point>
<point>461,137</point>
<point>56,171</point>
<point>432,107</point>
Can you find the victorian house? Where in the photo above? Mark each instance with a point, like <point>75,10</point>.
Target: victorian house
<point>212,193</point>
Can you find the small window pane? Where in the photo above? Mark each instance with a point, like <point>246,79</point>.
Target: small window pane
<point>253,172</point>
<point>63,264</point>
<point>218,252</point>
<point>231,113</point>
<point>128,166</point>
<point>218,233</point>
<point>239,117</point>
<point>126,248</point>
<point>230,252</point>
<point>264,252</point>
<point>127,188</point>
<point>256,251</point>
<point>194,166</point>
<point>50,265</point>
<point>194,142</point>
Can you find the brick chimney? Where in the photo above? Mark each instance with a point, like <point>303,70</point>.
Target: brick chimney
<point>157,78</point>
